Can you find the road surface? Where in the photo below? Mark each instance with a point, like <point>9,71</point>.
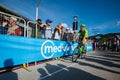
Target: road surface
<point>97,66</point>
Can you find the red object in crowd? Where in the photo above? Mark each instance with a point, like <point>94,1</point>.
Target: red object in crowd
<point>17,32</point>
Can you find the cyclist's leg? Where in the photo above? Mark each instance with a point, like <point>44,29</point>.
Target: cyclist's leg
<point>84,50</point>
<point>79,50</point>
<point>84,46</point>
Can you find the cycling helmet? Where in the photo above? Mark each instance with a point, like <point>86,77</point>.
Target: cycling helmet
<point>82,25</point>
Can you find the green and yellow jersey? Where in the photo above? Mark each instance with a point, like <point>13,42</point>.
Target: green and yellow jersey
<point>84,33</point>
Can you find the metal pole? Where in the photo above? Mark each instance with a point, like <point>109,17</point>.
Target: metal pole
<point>29,26</point>
<point>36,19</point>
<point>37,16</point>
<point>36,12</point>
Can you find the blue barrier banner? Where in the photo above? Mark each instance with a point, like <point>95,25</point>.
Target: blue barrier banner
<point>16,50</point>
<point>89,47</point>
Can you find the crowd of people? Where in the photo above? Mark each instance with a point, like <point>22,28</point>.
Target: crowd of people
<point>58,33</point>
<point>9,27</point>
<point>109,45</point>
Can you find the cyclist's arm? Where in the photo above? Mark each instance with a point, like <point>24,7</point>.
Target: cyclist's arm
<point>76,37</point>
<point>84,39</point>
<point>86,35</point>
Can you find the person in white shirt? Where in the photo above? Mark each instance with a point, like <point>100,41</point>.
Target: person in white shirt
<point>47,30</point>
<point>58,31</point>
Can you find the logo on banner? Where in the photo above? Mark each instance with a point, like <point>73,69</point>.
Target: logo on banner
<point>47,49</point>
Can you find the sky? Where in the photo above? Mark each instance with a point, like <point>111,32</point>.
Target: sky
<point>99,16</point>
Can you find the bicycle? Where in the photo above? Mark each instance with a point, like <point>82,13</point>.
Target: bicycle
<point>79,51</point>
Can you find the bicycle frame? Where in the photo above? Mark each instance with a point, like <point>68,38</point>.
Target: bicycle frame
<point>80,52</point>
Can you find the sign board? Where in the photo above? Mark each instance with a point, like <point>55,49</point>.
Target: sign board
<point>15,50</point>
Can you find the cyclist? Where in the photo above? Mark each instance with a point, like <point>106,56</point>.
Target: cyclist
<point>82,35</point>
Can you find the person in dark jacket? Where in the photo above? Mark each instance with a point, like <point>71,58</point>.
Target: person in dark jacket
<point>4,27</point>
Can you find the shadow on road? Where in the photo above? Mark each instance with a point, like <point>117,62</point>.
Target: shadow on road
<point>8,75</point>
<point>70,73</point>
<point>42,72</point>
<point>105,58</point>
<point>103,62</point>
<point>112,55</point>
<point>98,67</point>
<point>108,54</point>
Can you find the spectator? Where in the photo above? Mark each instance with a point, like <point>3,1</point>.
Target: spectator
<point>42,30</point>
<point>107,45</point>
<point>57,35</point>
<point>39,21</point>
<point>115,45</point>
<point>46,29</point>
<point>110,45</point>
<point>118,45</point>
<point>13,28</point>
<point>40,27</point>
<point>4,27</point>
<point>66,35</point>
<point>2,17</point>
<point>71,35</point>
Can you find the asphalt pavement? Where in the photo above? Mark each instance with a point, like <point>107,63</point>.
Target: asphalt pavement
<point>96,66</point>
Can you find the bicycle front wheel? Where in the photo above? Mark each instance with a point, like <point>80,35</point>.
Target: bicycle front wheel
<point>84,55</point>
<point>75,55</point>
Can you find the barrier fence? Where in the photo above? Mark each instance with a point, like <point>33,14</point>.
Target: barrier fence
<point>33,30</point>
<point>20,21</point>
<point>17,50</point>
